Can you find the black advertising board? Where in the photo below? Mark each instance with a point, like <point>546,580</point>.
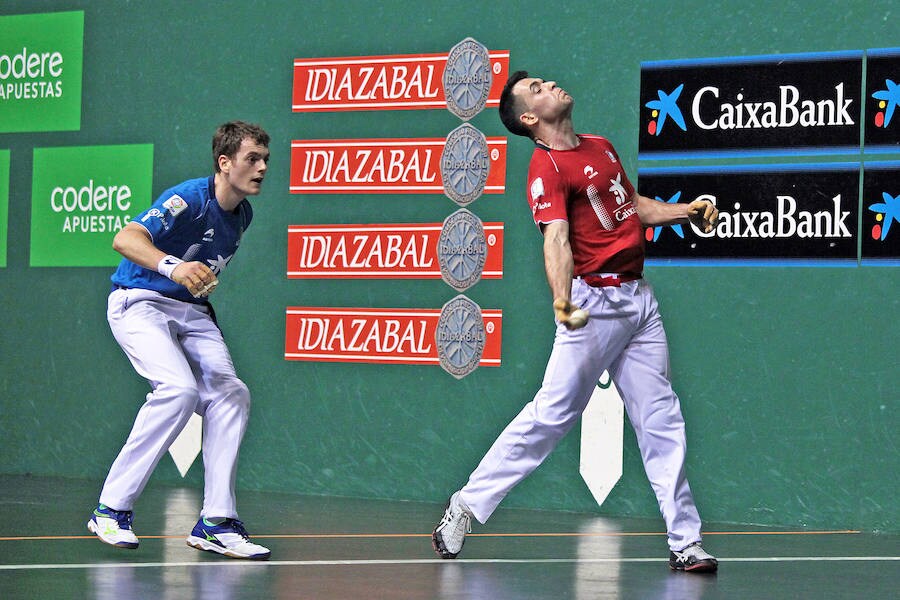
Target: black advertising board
<point>769,215</point>
<point>746,106</point>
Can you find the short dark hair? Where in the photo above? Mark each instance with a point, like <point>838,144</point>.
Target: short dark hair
<point>510,110</point>
<point>229,136</point>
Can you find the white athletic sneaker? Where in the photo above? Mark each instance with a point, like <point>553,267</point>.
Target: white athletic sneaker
<point>228,538</point>
<point>113,527</point>
<point>693,558</point>
<point>450,534</point>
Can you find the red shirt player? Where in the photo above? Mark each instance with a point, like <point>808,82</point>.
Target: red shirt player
<point>607,320</point>
<point>587,188</point>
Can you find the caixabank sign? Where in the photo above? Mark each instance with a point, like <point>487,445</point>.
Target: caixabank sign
<point>785,105</point>
<point>782,104</point>
<point>40,71</point>
<point>768,214</point>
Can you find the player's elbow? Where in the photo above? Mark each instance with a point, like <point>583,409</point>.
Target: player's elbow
<point>118,243</point>
<point>122,241</point>
<point>644,210</point>
<point>130,236</point>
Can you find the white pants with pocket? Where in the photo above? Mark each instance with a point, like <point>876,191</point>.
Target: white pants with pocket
<point>178,348</point>
<point>625,336</point>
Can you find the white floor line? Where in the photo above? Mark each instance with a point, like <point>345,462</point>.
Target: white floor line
<point>428,561</point>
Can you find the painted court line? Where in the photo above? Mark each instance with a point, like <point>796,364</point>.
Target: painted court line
<point>319,536</point>
<point>429,561</point>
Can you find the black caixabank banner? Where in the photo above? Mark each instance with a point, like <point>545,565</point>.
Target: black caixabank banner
<point>769,215</point>
<point>745,106</point>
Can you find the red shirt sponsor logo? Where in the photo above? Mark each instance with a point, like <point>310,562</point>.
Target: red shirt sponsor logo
<point>410,166</point>
<point>398,251</point>
<point>397,82</point>
<point>372,335</point>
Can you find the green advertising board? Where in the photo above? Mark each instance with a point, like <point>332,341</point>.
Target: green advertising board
<point>81,196</point>
<point>4,203</point>
<point>41,60</point>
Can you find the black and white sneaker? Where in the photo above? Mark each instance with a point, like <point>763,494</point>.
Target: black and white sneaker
<point>450,534</point>
<point>694,559</point>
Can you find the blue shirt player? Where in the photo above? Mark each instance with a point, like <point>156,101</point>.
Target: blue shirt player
<point>188,224</point>
<point>159,313</point>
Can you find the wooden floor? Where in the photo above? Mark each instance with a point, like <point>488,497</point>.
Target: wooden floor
<point>337,548</point>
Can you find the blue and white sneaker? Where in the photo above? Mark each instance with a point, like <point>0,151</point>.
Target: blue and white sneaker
<point>113,527</point>
<point>228,537</point>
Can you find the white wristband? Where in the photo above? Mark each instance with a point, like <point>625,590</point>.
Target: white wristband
<point>168,264</point>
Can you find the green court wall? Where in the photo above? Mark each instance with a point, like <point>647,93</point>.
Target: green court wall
<point>788,376</point>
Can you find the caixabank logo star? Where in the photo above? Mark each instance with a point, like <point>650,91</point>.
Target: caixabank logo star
<point>883,94</point>
<point>886,212</point>
<point>652,233</point>
<point>881,219</point>
<point>746,106</point>
<point>888,100</point>
<point>665,107</point>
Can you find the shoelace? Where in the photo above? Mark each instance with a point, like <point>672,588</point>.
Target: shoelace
<point>693,551</point>
<point>450,516</point>
<point>123,518</point>
<point>468,523</point>
<point>238,527</point>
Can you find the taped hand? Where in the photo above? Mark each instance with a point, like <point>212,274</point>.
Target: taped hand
<point>703,214</point>
<point>570,315</point>
<point>199,279</point>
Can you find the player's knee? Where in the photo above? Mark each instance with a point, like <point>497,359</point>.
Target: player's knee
<point>662,428</point>
<point>184,396</point>
<point>237,392</point>
<point>554,422</point>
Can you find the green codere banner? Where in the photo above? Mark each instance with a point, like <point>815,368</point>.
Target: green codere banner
<point>40,72</point>
<point>4,203</point>
<point>81,196</point>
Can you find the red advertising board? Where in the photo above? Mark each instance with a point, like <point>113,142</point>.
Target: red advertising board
<point>376,335</point>
<point>396,166</point>
<point>396,82</point>
<point>395,251</point>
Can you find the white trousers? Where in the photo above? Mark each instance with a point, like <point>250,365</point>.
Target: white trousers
<point>624,336</point>
<point>178,348</point>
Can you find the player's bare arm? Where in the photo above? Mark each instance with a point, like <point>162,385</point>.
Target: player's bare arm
<point>558,262</point>
<point>559,265</point>
<point>134,243</point>
<point>701,213</point>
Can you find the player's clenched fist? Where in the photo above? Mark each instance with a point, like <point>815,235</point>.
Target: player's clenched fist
<point>703,214</point>
<point>196,277</point>
<point>570,315</point>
